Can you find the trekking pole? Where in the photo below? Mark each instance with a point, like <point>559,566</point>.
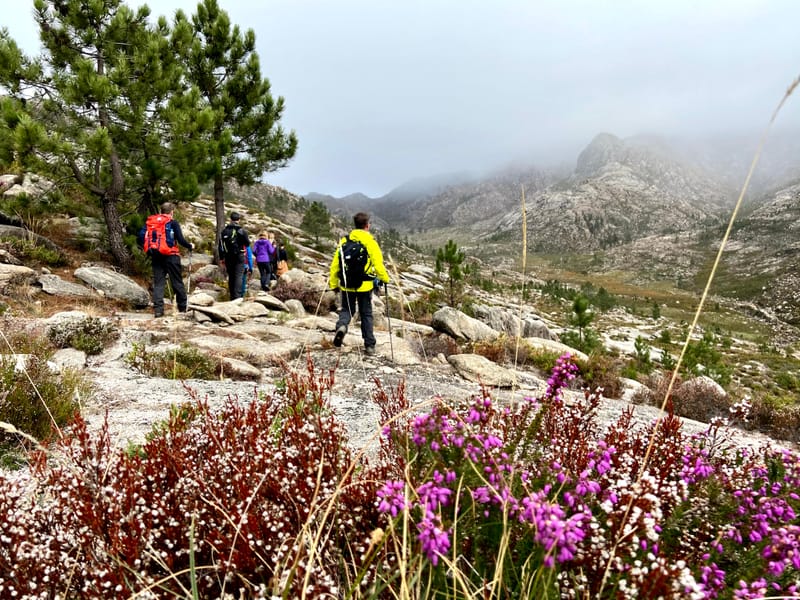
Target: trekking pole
<point>189,276</point>
<point>388,318</point>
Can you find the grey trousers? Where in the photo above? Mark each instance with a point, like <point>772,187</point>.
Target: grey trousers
<point>362,301</point>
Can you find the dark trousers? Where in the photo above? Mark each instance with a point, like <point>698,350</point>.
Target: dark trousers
<point>362,301</point>
<point>265,272</point>
<point>167,265</point>
<point>235,273</point>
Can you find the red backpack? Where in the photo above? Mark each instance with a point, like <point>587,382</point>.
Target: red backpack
<point>158,238</point>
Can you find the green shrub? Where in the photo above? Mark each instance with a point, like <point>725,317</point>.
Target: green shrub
<point>601,371</point>
<point>90,335</point>
<point>586,341</point>
<point>777,415</point>
<point>37,398</point>
<point>506,350</point>
<point>421,310</point>
<point>182,362</point>
<point>702,357</point>
<point>543,360</point>
<point>557,290</point>
<point>31,252</point>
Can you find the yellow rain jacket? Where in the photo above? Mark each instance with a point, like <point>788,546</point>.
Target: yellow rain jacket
<point>374,266</point>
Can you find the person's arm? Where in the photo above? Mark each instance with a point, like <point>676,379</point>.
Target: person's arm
<point>376,256</point>
<point>176,229</point>
<point>333,278</point>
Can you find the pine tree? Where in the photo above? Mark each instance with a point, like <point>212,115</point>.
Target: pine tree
<point>97,95</point>
<point>317,221</point>
<point>450,259</point>
<point>244,139</point>
<point>581,315</point>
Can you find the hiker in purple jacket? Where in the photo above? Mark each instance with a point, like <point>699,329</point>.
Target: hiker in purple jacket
<point>264,251</point>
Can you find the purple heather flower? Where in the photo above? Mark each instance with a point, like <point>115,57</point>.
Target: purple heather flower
<point>712,579</point>
<point>555,531</point>
<point>563,372</point>
<point>393,500</point>
<point>435,541</point>
<point>432,495</point>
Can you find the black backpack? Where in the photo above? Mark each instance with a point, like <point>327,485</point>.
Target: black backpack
<point>230,247</point>
<point>353,257</point>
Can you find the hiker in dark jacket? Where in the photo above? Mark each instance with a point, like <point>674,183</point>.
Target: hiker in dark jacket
<point>282,265</point>
<point>264,251</point>
<point>169,265</point>
<point>361,296</point>
<point>274,259</point>
<point>233,244</point>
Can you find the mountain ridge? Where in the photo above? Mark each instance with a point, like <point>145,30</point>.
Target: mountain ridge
<point>640,205</point>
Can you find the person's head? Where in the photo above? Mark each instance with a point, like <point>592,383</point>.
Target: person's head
<point>167,208</point>
<point>235,216</point>
<point>262,235</point>
<point>361,220</point>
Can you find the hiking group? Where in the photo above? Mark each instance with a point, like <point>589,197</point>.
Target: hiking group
<point>356,269</point>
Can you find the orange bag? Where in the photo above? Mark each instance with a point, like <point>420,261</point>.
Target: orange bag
<point>283,267</point>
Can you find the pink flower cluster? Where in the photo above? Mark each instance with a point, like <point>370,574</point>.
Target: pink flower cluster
<point>589,506</point>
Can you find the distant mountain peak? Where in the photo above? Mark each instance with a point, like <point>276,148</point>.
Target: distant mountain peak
<point>603,149</point>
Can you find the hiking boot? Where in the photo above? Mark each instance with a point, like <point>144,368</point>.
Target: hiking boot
<point>337,339</point>
<point>369,350</point>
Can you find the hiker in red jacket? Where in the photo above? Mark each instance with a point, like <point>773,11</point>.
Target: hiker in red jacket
<point>162,236</point>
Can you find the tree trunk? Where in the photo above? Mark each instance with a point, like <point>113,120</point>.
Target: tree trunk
<point>219,209</point>
<point>116,243</point>
<point>112,194</point>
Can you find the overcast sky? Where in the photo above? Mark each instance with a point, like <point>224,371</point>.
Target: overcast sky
<point>380,92</point>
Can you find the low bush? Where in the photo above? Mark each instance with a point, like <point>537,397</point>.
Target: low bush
<point>90,335</point>
<point>36,399</point>
<point>778,416</point>
<point>462,500</point>
<point>429,346</point>
<point>601,371</point>
<point>31,252</point>
<point>694,399</point>
<point>314,301</point>
<point>181,362</point>
<point>510,352</point>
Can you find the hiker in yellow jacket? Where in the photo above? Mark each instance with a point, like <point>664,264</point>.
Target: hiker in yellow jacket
<point>356,268</point>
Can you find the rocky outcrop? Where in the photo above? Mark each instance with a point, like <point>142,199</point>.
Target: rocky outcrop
<point>479,369</point>
<point>114,285</point>
<point>505,321</point>
<point>462,327</point>
<point>15,276</point>
<point>29,184</point>
<point>55,286</point>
